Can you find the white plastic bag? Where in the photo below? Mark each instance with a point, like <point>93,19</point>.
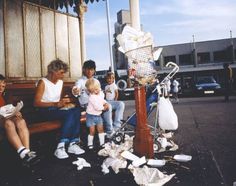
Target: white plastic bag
<point>168,119</point>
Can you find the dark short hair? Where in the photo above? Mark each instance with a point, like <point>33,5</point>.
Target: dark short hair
<point>56,65</point>
<point>2,78</point>
<point>89,64</point>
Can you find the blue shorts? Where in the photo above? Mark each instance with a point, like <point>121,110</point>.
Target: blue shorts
<point>92,120</point>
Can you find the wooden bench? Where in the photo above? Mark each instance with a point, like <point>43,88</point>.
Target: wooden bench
<point>25,92</point>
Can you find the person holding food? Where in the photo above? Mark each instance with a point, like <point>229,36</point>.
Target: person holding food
<point>51,105</point>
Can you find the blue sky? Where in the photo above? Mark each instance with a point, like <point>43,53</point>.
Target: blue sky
<point>169,21</point>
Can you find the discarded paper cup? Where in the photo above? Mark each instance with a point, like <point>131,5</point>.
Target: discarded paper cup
<point>138,162</point>
<point>182,157</point>
<point>156,163</point>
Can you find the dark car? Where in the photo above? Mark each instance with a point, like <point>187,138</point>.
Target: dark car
<point>207,85</point>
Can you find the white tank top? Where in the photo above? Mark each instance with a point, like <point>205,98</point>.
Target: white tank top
<point>52,92</point>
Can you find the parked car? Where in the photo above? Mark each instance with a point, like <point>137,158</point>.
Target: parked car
<point>207,85</point>
<point>101,76</point>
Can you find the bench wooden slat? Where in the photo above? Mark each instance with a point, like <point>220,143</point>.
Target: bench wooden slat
<point>25,91</point>
<point>49,125</point>
<point>44,126</point>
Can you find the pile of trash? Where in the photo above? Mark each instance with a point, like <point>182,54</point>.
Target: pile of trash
<point>138,47</point>
<point>145,171</point>
<point>117,156</point>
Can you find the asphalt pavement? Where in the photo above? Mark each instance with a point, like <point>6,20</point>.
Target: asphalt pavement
<point>207,128</point>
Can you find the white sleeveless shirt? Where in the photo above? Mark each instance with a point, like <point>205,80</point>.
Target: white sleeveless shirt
<point>52,92</point>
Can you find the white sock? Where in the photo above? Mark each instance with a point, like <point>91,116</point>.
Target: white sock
<point>22,151</point>
<point>101,137</point>
<point>60,145</point>
<point>90,140</point>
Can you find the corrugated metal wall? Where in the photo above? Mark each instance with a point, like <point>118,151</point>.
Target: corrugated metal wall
<point>32,36</point>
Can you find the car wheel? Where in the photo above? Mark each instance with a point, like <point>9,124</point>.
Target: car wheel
<point>121,84</point>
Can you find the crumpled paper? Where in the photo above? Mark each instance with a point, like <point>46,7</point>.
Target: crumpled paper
<point>81,163</point>
<point>113,150</point>
<point>143,176</point>
<point>149,176</point>
<point>138,47</point>
<point>168,135</point>
<point>114,163</point>
<point>131,38</point>
<point>164,143</point>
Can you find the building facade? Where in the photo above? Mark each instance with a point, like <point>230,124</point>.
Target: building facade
<point>197,59</point>
<point>123,19</point>
<point>205,58</point>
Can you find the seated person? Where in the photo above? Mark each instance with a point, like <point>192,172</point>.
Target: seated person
<point>16,131</point>
<point>48,100</point>
<point>111,95</point>
<point>80,90</point>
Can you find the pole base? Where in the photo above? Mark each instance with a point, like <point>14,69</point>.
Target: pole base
<point>143,143</point>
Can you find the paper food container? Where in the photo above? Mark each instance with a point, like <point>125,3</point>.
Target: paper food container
<point>182,157</point>
<point>139,162</point>
<point>156,163</point>
<point>130,156</point>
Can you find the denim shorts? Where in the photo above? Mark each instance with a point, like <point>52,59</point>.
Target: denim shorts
<point>92,120</point>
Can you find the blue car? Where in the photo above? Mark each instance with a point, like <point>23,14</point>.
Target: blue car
<point>207,85</point>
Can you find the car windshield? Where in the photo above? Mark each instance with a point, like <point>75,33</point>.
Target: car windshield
<point>203,80</point>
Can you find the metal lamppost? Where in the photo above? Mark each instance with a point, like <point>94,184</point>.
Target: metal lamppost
<point>109,35</point>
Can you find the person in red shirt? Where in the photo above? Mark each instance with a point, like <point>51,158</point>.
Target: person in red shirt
<point>16,131</point>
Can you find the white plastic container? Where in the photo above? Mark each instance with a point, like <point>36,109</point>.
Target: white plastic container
<point>156,163</point>
<point>182,157</point>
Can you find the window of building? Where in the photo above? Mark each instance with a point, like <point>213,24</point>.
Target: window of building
<point>220,56</point>
<point>203,57</point>
<point>186,59</point>
<point>168,59</point>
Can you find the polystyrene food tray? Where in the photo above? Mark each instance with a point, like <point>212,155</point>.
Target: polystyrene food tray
<point>182,158</point>
<point>156,163</point>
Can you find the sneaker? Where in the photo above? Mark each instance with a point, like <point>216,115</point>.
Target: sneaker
<point>74,148</point>
<point>30,159</point>
<point>60,153</point>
